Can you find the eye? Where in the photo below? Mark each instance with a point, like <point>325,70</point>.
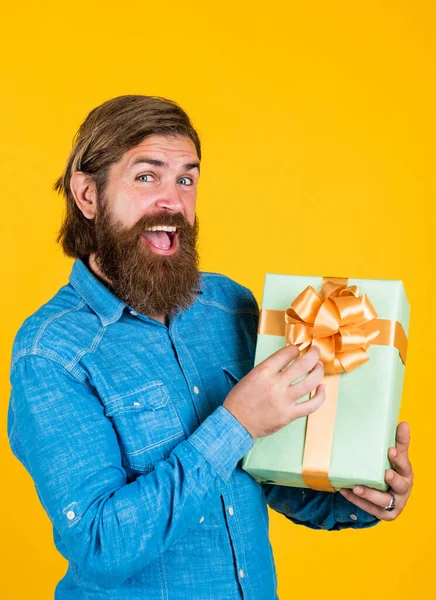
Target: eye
<point>187,179</point>
<point>146,175</point>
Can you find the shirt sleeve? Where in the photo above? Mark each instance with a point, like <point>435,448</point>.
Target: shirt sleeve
<point>111,529</point>
<point>317,510</point>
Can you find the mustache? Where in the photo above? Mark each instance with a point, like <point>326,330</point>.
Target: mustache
<point>174,220</point>
<point>168,219</point>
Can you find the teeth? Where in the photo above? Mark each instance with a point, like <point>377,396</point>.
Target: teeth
<point>161,228</point>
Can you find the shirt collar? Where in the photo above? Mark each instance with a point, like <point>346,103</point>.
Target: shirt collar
<point>97,295</point>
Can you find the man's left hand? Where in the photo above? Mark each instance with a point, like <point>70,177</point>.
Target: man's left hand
<point>400,480</point>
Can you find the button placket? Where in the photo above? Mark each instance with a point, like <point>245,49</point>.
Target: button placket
<point>235,535</point>
<point>190,372</point>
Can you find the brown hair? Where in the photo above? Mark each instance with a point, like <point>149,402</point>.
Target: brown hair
<point>109,131</point>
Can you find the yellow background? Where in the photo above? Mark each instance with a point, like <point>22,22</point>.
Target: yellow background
<point>318,129</point>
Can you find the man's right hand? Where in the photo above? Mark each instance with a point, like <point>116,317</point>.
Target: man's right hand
<point>265,400</point>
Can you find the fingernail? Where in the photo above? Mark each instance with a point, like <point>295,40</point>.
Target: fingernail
<point>393,453</point>
<point>343,491</point>
<point>358,490</point>
<point>390,475</point>
<point>320,363</point>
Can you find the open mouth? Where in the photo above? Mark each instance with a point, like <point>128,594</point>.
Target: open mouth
<point>163,239</point>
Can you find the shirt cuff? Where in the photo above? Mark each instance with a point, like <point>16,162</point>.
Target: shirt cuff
<point>222,441</point>
<point>354,517</point>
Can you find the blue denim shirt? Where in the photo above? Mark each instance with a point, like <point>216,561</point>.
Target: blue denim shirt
<point>119,421</point>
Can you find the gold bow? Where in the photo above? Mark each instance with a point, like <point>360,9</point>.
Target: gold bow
<point>335,321</point>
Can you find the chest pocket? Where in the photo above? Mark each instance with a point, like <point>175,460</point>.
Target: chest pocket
<point>147,425</point>
<point>235,371</point>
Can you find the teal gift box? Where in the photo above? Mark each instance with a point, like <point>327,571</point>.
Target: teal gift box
<point>350,447</point>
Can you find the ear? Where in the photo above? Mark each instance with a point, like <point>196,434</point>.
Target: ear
<point>83,188</point>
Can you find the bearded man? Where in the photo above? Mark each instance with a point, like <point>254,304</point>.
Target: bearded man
<point>134,396</point>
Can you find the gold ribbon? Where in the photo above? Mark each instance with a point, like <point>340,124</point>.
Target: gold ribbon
<point>343,325</point>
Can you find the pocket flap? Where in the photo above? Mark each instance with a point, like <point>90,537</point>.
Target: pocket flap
<point>152,396</point>
<point>237,370</point>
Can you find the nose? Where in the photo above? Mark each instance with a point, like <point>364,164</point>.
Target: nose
<point>169,198</point>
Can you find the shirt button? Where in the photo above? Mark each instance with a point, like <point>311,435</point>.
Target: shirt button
<point>196,390</point>
<point>133,313</point>
<point>231,511</point>
<point>354,517</point>
<point>71,514</point>
<point>201,520</point>
<point>241,573</point>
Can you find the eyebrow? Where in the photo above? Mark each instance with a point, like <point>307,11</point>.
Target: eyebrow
<point>161,163</point>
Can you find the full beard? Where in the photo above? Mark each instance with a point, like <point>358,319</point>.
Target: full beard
<point>151,284</point>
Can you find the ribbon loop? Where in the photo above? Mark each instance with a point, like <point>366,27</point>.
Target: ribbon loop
<point>334,321</point>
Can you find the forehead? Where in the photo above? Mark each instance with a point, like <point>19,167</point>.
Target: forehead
<point>171,149</point>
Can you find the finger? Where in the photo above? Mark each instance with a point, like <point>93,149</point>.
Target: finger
<point>399,484</point>
<point>302,409</point>
<point>280,359</point>
<point>302,365</point>
<point>365,505</point>
<point>401,465</point>
<point>403,437</point>
<point>309,383</point>
<point>380,499</point>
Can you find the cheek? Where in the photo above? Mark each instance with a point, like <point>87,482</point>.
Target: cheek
<point>127,212</point>
<point>190,205</point>
<point>191,218</point>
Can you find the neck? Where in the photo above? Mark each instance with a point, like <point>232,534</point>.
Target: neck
<point>94,268</point>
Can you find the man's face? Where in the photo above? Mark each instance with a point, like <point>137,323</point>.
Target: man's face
<point>153,185</point>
